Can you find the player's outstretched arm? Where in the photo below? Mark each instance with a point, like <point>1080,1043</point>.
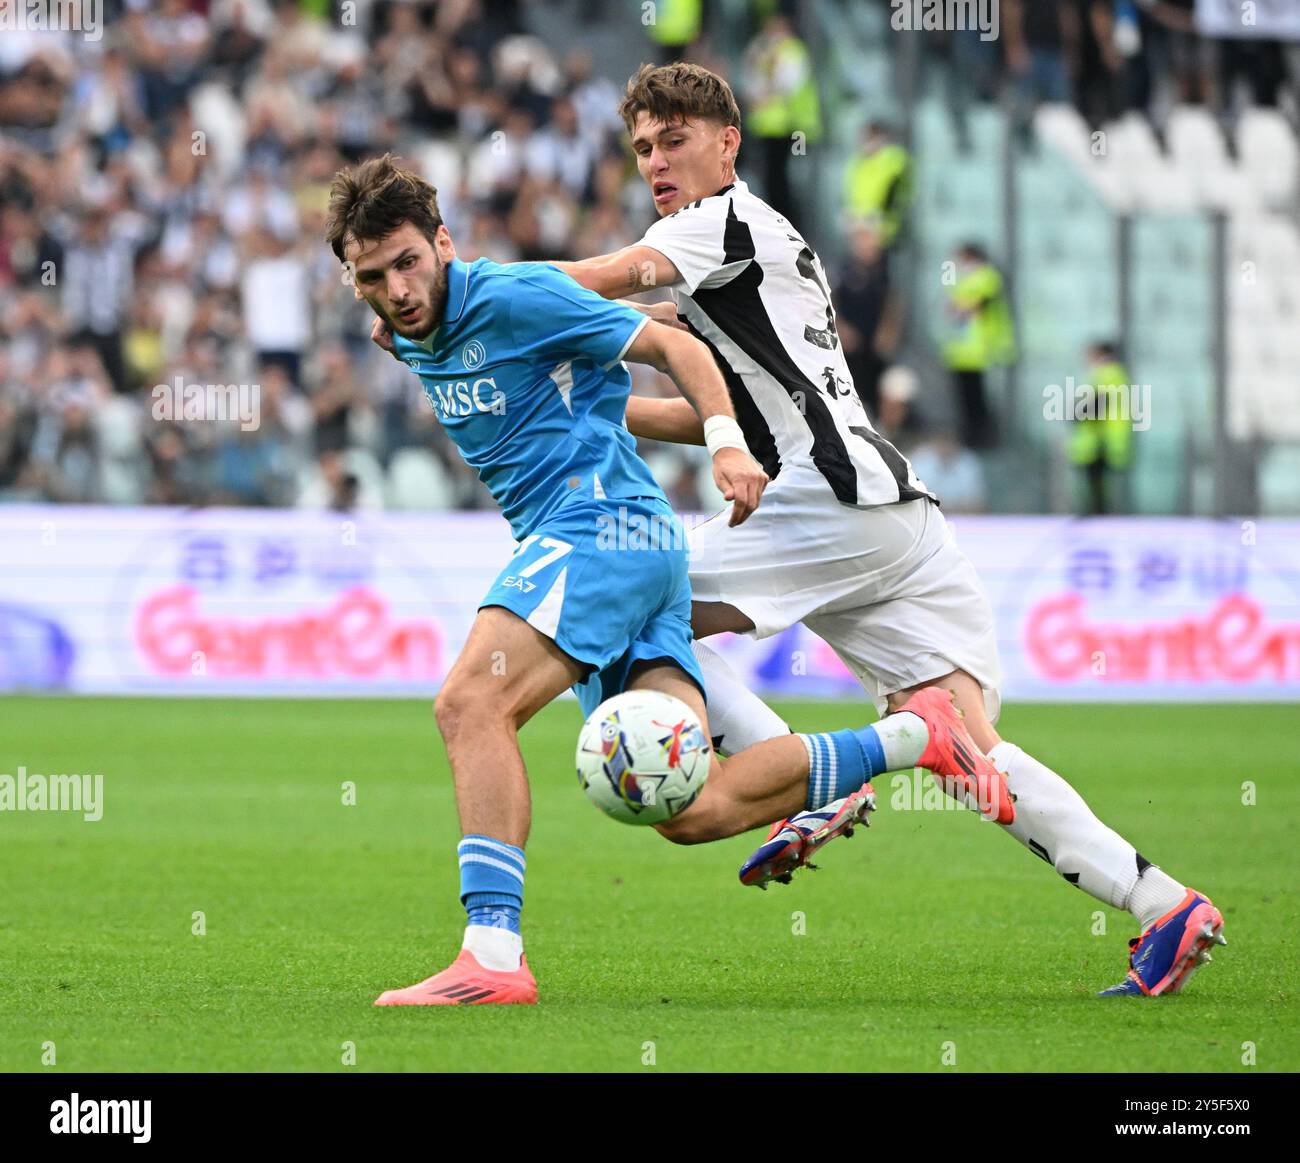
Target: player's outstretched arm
<point>672,421</point>
<point>691,366</point>
<point>624,272</point>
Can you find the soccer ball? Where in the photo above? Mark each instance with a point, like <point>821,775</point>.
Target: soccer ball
<point>643,757</point>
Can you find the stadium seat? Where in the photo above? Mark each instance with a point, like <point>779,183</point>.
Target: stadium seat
<point>1159,465</point>
<point>1270,156</point>
<point>987,126</point>
<point>1130,141</point>
<point>1040,179</point>
<point>417,480</point>
<point>1195,140</point>
<point>1176,242</point>
<point>935,134</point>
<point>1225,187</point>
<point>1158,186</point>
<point>1114,185</point>
<point>1063,128</point>
<point>362,463</point>
<point>1279,481</point>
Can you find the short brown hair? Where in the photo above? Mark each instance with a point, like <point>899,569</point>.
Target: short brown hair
<point>371,200</point>
<point>679,92</point>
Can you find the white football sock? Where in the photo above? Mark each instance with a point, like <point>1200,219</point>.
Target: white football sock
<point>497,949</point>
<point>1154,895</point>
<point>738,718</point>
<point>903,737</point>
<point>1054,823</point>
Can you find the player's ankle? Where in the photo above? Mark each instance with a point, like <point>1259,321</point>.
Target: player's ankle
<point>1154,893</point>
<point>499,950</point>
<point>903,738</point>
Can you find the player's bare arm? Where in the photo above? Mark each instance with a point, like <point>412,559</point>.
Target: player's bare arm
<point>690,365</point>
<point>591,272</point>
<point>664,312</point>
<point>629,271</point>
<point>672,421</point>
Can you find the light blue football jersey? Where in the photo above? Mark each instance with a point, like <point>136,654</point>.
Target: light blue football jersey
<point>525,374</point>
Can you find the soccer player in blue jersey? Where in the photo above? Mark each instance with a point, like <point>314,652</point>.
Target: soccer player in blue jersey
<point>524,369</point>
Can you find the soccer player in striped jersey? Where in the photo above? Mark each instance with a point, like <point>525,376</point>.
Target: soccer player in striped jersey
<point>847,541</point>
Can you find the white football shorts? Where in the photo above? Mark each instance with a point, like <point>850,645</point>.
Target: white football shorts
<point>886,587</point>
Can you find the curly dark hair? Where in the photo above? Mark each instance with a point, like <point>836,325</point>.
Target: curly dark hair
<point>371,200</point>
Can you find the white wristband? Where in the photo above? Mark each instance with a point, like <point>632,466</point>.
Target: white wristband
<point>723,432</point>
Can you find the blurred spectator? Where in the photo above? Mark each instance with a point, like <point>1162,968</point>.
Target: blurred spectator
<point>169,47</point>
<point>177,472</point>
<point>866,313</point>
<point>595,99</point>
<point>30,256</point>
<point>1042,47</point>
<point>897,419</point>
<point>560,152</point>
<point>333,397</point>
<point>335,485</point>
<point>1101,443</point>
<point>276,300</point>
<point>953,473</point>
<point>240,29</point>
<point>253,468</point>
<point>99,280</point>
<point>1111,71</point>
<point>1174,48</point>
<point>16,425</point>
<point>781,93</point>
<point>355,104</point>
<point>65,453</point>
<point>676,26</point>
<point>878,183</point>
<point>984,339</point>
<point>1258,65</point>
<point>260,205</point>
<point>36,73</point>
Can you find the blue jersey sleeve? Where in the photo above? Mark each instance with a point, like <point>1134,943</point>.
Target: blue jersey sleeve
<point>552,317</point>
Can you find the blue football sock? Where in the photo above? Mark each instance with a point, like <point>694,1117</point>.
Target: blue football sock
<point>840,762</point>
<point>491,881</point>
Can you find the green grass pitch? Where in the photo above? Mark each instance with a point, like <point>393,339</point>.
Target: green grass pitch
<point>926,938</point>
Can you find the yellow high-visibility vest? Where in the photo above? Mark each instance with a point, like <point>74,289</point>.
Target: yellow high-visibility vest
<point>988,338</point>
<point>800,111</point>
<point>878,188</point>
<point>676,21</point>
<point>1109,435</point>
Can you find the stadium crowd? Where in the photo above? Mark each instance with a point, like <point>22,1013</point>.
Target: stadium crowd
<point>1109,57</point>
<point>164,192</point>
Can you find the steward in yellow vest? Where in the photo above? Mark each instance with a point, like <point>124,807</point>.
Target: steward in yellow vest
<point>985,337</point>
<point>878,183</point>
<point>1101,442</point>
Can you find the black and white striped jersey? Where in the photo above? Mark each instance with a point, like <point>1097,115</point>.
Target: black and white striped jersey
<point>755,292</point>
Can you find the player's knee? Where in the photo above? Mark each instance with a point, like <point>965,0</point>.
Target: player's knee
<point>458,707</point>
<point>446,710</point>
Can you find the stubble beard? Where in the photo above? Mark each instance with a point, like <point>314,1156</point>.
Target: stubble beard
<point>437,303</point>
